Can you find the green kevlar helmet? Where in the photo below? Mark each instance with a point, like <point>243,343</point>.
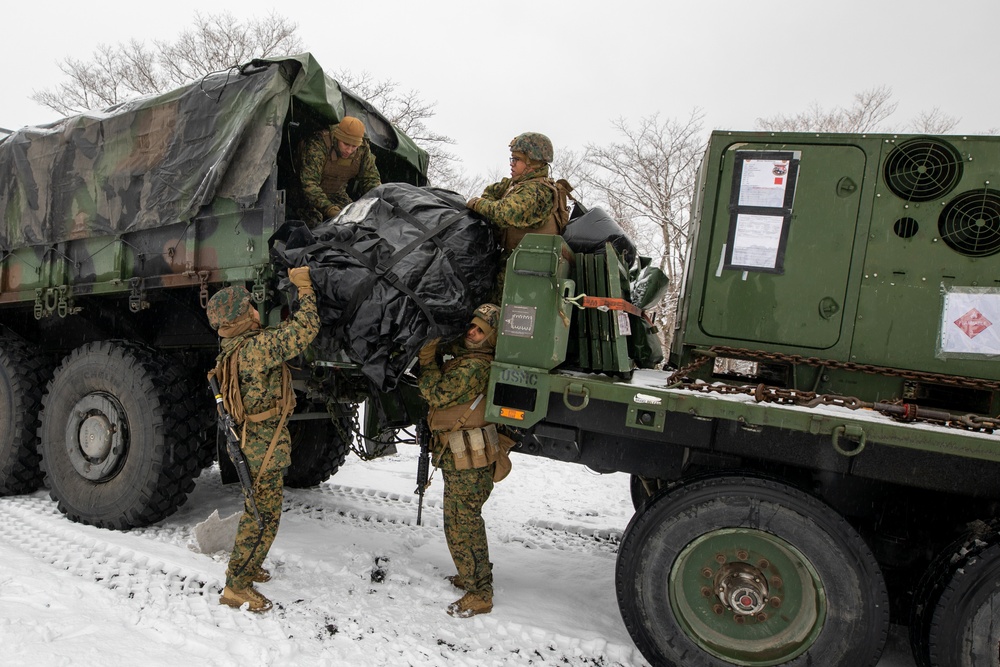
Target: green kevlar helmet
<point>533,144</point>
<point>228,305</point>
<point>487,318</point>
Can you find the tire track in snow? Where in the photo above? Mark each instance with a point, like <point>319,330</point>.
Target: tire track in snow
<point>165,593</point>
<point>38,529</point>
<point>366,505</point>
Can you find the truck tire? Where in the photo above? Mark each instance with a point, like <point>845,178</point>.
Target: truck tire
<point>318,451</point>
<point>803,587</point>
<point>118,436</point>
<point>23,374</point>
<point>963,629</point>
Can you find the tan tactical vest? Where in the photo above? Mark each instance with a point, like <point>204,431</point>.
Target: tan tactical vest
<point>444,419</point>
<point>554,224</point>
<point>338,171</point>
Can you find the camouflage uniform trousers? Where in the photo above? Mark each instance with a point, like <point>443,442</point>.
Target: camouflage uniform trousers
<point>465,493</point>
<point>248,554</point>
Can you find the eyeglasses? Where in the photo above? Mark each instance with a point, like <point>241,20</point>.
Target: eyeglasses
<point>515,160</point>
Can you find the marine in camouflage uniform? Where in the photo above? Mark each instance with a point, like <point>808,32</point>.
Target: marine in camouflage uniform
<point>450,390</point>
<point>264,388</point>
<point>529,202</point>
<point>331,161</point>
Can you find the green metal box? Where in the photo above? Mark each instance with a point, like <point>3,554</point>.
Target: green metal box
<point>840,251</point>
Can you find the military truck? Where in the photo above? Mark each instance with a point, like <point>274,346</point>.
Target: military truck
<point>117,227</point>
<point>816,459</point>
<point>819,457</point>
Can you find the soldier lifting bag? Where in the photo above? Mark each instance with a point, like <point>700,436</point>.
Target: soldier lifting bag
<point>399,266</point>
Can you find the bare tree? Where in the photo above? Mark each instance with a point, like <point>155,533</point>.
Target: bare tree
<point>130,69</point>
<point>220,41</point>
<point>933,122</point>
<point>648,182</point>
<point>870,110</point>
<point>217,42</point>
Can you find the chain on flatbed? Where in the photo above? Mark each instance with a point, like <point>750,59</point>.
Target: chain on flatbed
<point>906,412</point>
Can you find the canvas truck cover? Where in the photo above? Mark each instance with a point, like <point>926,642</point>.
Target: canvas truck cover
<point>158,159</point>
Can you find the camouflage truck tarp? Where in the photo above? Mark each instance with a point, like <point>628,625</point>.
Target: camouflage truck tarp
<point>157,160</point>
<point>400,265</point>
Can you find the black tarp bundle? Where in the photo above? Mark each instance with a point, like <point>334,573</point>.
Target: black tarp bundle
<point>589,232</point>
<point>399,266</point>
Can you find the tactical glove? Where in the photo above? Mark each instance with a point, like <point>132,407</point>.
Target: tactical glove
<point>428,352</point>
<point>299,276</point>
<point>471,204</point>
<point>331,211</point>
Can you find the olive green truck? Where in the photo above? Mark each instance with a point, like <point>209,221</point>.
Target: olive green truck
<point>816,459</point>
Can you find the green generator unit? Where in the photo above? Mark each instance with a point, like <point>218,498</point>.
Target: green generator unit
<point>857,265</point>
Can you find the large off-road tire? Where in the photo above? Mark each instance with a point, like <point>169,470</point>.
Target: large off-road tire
<point>118,441</point>
<point>739,570</point>
<point>318,451</point>
<point>956,607</point>
<point>23,374</point>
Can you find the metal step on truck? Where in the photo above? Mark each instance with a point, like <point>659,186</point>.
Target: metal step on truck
<point>819,457</point>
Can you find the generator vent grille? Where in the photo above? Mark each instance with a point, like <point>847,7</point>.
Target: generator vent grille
<point>921,169</point>
<point>970,223</point>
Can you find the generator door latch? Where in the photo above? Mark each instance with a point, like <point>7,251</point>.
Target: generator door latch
<point>846,187</point>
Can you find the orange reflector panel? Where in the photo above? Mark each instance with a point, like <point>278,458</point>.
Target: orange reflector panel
<point>511,413</point>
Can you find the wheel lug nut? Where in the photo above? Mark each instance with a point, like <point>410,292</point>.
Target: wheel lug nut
<point>707,573</point>
<point>761,617</point>
<point>720,558</point>
<point>742,554</point>
<point>706,592</point>
<point>763,564</point>
<point>775,602</point>
<point>718,609</point>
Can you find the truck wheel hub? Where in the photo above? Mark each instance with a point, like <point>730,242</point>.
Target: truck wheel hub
<point>742,588</point>
<point>95,436</point>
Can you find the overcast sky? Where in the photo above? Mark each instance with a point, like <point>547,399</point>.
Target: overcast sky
<point>568,69</point>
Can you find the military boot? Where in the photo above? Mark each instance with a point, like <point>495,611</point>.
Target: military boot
<point>261,576</point>
<point>236,597</point>
<point>456,581</point>
<point>470,604</point>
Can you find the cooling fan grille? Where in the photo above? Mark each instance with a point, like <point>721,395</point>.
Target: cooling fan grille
<point>970,223</point>
<point>920,170</point>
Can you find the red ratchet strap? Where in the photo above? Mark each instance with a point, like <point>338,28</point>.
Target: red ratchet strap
<point>607,303</point>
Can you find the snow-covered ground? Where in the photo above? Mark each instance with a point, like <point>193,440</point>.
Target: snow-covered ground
<point>356,581</point>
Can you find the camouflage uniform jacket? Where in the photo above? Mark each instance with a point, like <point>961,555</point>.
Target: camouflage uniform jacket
<point>525,203</point>
<point>262,353</point>
<point>459,381</point>
<point>360,169</point>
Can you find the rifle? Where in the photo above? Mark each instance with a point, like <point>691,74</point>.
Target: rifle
<point>228,426</point>
<point>423,464</point>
